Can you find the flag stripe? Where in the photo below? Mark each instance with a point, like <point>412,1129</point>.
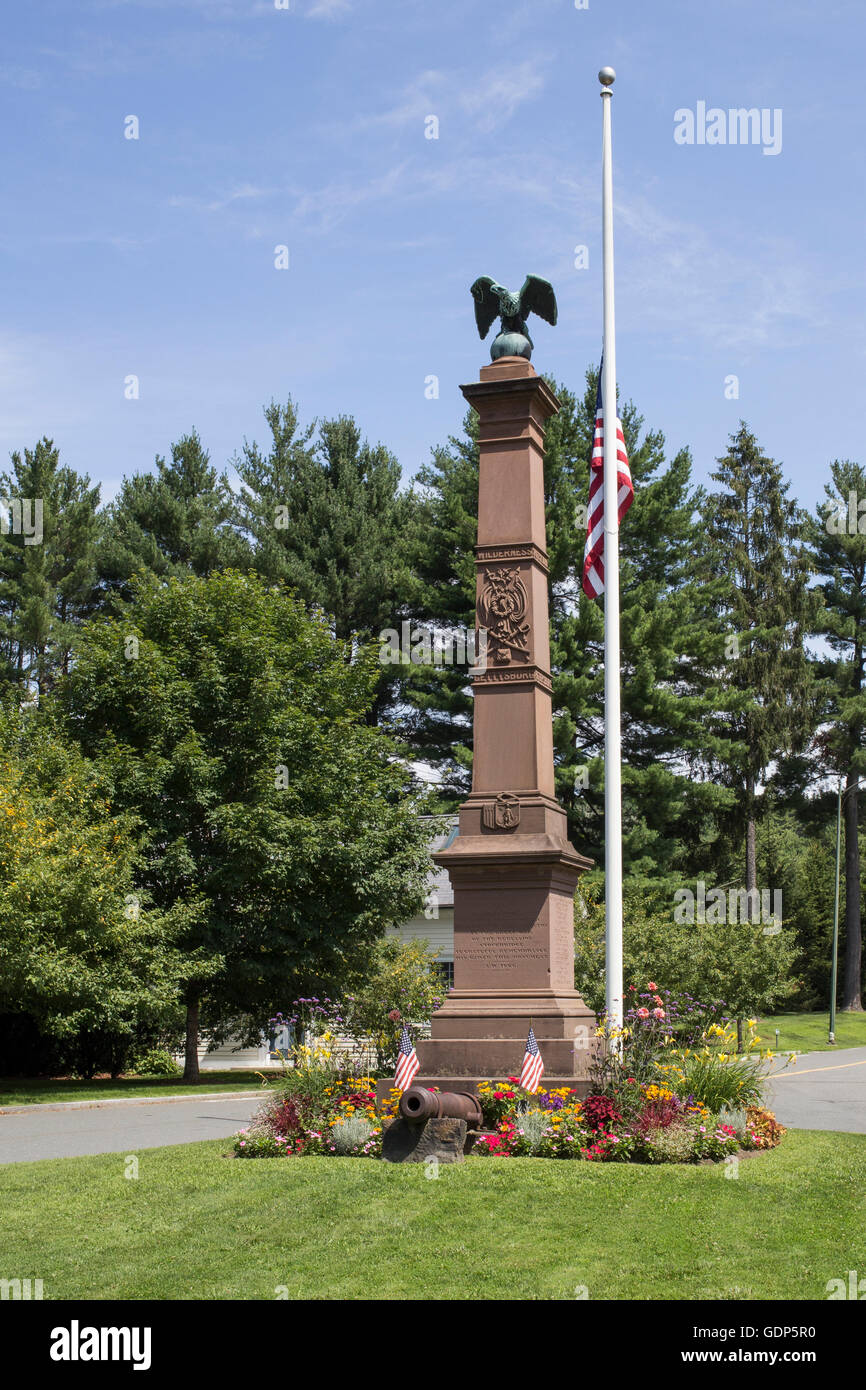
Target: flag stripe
<point>533,1066</point>
<point>407,1062</point>
<point>593,555</point>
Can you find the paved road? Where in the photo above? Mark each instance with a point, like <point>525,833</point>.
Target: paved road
<point>36,1133</point>
<point>823,1090</point>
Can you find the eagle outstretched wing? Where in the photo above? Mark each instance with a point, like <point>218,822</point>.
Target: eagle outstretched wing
<point>487,306</point>
<point>536,297</point>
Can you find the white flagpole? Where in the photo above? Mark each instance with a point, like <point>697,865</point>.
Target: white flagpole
<point>612,750</point>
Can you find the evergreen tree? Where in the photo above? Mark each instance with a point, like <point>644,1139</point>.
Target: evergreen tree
<point>837,538</point>
<point>171,523</point>
<point>47,564</point>
<point>329,518</point>
<point>757,575</point>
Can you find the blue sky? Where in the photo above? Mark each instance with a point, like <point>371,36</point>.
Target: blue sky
<point>305,127</point>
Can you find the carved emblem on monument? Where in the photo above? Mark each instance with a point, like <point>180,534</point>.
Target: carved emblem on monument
<point>503,813</point>
<point>501,610</point>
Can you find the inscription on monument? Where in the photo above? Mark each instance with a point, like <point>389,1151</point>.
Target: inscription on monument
<point>490,950</point>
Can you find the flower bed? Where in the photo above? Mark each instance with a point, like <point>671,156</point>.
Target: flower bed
<point>668,1087</point>
<point>305,1116</point>
<point>653,1125</point>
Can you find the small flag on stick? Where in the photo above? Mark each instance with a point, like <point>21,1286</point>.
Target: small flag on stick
<point>593,555</point>
<point>533,1066</point>
<point>407,1062</point>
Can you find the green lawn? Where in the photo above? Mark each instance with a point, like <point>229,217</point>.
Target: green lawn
<point>197,1225</point>
<point>22,1090</point>
<point>808,1032</point>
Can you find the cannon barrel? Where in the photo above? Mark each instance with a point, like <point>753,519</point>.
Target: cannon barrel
<point>420,1104</point>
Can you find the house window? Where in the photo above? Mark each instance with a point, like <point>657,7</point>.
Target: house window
<point>446,970</point>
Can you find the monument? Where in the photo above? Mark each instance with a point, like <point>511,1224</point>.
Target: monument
<point>512,867</point>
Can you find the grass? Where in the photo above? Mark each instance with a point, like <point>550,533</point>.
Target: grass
<point>199,1225</point>
<point>808,1032</point>
<point>25,1090</point>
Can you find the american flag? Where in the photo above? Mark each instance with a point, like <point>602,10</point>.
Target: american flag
<point>533,1066</point>
<point>593,555</point>
<point>407,1062</point>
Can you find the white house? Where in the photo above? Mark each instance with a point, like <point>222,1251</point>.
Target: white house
<point>435,923</point>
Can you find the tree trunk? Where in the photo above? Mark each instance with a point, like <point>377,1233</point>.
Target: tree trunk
<point>190,1067</point>
<point>851,996</point>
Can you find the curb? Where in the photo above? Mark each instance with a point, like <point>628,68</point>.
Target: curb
<point>37,1107</point>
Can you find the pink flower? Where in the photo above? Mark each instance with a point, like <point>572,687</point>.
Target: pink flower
<point>658,1013</point>
<point>652,986</point>
<point>643,1013</point>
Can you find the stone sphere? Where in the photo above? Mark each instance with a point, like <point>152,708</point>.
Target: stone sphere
<point>510,345</point>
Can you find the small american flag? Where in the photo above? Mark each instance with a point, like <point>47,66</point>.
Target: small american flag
<point>593,555</point>
<point>407,1062</point>
<point>533,1066</point>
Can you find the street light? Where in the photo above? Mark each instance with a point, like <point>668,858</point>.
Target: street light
<point>835,967</point>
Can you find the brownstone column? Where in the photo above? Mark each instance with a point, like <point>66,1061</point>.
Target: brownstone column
<point>512,867</point>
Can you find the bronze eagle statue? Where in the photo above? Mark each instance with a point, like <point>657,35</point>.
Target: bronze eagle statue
<point>495,301</point>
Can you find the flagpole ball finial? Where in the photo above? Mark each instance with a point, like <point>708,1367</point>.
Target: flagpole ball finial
<point>607,77</point>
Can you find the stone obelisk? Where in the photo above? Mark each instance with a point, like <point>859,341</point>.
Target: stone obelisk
<point>512,867</point>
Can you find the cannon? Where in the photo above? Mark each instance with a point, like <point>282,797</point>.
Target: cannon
<point>419,1104</point>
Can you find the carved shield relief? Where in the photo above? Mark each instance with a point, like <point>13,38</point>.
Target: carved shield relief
<point>503,813</point>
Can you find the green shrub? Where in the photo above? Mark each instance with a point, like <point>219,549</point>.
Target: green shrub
<point>720,1082</point>
<point>354,1135</point>
<point>534,1124</point>
<point>155,1062</point>
<point>674,1144</point>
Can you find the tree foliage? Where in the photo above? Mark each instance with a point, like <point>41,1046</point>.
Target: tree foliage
<point>233,725</point>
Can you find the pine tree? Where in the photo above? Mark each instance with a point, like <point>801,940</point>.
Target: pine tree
<point>171,523</point>
<point>328,516</point>
<point>837,538</point>
<point>670,810</point>
<point>47,564</point>
<point>757,575</point>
